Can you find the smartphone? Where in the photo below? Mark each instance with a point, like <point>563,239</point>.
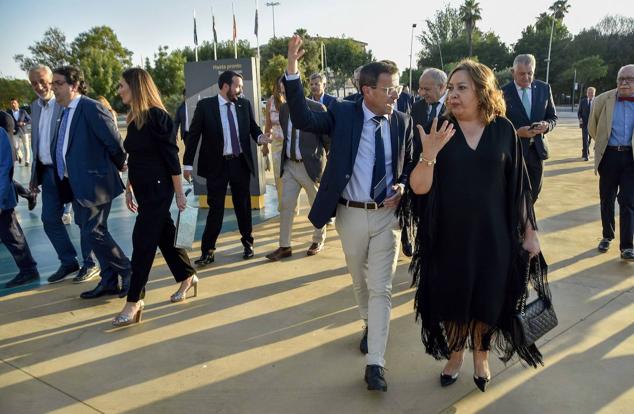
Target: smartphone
<point>535,125</point>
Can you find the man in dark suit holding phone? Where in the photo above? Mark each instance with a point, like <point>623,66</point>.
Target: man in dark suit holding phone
<point>583,113</point>
<point>531,109</point>
<point>225,124</point>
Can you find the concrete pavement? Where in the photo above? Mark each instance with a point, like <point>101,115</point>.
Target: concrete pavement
<point>283,337</point>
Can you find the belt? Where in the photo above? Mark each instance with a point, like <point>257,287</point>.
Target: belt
<point>620,148</point>
<point>356,204</point>
<point>230,157</point>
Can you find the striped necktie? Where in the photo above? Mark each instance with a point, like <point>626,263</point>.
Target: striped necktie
<point>378,191</point>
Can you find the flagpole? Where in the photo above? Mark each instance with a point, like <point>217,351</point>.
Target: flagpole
<point>235,33</point>
<point>213,28</point>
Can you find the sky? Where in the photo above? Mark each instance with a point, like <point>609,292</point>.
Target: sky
<point>143,25</point>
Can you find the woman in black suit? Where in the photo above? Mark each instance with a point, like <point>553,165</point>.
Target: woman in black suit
<point>154,175</point>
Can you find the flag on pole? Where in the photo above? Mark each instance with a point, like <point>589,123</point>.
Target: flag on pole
<point>213,25</point>
<point>195,33</point>
<point>235,33</point>
<point>255,30</point>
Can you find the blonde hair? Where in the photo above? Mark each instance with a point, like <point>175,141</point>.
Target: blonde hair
<point>145,95</point>
<point>490,98</point>
<point>106,104</point>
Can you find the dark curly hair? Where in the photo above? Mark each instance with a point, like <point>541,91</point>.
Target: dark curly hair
<point>73,76</point>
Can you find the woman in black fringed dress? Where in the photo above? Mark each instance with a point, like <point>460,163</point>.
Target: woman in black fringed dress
<point>478,218</point>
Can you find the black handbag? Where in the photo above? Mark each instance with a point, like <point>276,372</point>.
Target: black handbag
<point>535,319</point>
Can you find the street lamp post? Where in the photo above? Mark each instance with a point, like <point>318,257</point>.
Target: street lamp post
<point>272,5</point>
<point>550,45</point>
<point>411,49</point>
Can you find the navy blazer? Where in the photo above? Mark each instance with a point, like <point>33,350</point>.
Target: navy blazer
<point>542,109</point>
<point>23,116</point>
<point>344,123</point>
<point>8,196</point>
<point>583,112</point>
<point>94,156</point>
<point>328,99</point>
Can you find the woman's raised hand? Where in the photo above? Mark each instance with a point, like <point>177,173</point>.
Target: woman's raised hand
<point>433,142</point>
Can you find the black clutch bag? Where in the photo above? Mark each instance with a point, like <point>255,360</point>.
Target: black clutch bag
<point>535,319</point>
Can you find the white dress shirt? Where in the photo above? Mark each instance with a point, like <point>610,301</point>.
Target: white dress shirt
<point>360,184</point>
<point>289,132</point>
<point>224,120</point>
<point>44,130</point>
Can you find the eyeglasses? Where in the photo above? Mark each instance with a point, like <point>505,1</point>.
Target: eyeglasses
<point>629,81</point>
<point>391,90</point>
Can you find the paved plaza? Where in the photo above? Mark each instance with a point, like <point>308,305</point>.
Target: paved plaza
<point>283,337</point>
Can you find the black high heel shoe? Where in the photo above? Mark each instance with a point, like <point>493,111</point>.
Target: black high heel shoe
<point>481,382</point>
<point>446,379</point>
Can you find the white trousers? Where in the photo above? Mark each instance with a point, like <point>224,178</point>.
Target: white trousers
<point>371,243</point>
<point>294,179</point>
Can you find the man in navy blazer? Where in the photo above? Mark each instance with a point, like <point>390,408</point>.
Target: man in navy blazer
<point>367,170</point>
<point>531,109</point>
<point>318,90</point>
<point>11,234</point>
<point>87,156</point>
<point>21,119</point>
<point>583,113</point>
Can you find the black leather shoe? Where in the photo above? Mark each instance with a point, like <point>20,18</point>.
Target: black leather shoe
<point>627,255</point>
<point>363,345</point>
<point>374,377</point>
<point>85,274</point>
<point>604,245</point>
<point>407,249</point>
<point>22,279</point>
<point>125,285</point>
<point>248,252</point>
<point>205,259</point>
<point>62,272</point>
<point>98,292</point>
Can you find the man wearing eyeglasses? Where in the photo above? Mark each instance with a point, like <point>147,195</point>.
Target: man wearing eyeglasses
<point>367,170</point>
<point>611,124</point>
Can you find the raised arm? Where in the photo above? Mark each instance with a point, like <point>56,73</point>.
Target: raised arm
<point>301,115</point>
<point>422,176</point>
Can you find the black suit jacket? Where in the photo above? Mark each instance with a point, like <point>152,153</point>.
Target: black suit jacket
<point>419,117</point>
<point>313,147</point>
<point>207,124</point>
<point>542,109</point>
<point>583,113</point>
<point>6,122</point>
<point>344,123</point>
<point>180,121</point>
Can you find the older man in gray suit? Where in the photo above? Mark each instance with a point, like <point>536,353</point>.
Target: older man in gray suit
<point>44,115</point>
<point>303,162</point>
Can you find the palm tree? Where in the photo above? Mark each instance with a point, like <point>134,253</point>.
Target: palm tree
<point>559,9</point>
<point>470,14</point>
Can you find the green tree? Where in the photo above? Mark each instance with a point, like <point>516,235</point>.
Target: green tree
<point>168,72</point>
<point>441,29</point>
<point>15,88</point>
<point>52,50</point>
<point>102,58</point>
<point>224,50</point>
<point>559,9</point>
<point>588,69</point>
<point>271,73</point>
<point>470,14</point>
<point>344,56</point>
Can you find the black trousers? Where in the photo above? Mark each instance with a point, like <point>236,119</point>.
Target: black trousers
<point>12,236</point>
<point>235,173</point>
<point>154,228</point>
<point>93,224</point>
<point>585,142</point>
<point>616,182</point>
<point>535,169</point>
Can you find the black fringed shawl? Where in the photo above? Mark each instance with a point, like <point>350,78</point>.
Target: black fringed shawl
<point>419,213</point>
